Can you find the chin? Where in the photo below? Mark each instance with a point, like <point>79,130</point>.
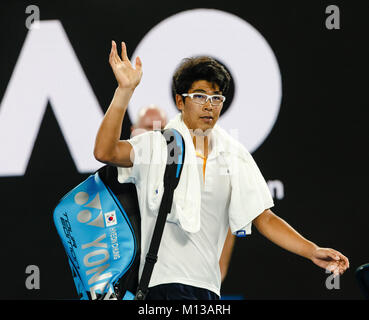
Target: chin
<point>206,127</point>
<point>201,127</point>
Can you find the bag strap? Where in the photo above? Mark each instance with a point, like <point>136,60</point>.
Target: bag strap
<point>175,146</point>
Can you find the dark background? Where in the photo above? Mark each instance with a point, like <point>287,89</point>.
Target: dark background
<point>317,148</point>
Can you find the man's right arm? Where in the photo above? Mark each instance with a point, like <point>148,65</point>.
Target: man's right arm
<point>108,146</point>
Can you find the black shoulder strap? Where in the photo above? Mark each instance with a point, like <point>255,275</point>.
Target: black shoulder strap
<point>175,160</point>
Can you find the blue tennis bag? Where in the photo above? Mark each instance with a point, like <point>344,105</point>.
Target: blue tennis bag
<point>98,222</point>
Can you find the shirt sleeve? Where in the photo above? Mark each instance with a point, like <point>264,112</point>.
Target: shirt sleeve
<point>147,151</point>
<point>142,151</point>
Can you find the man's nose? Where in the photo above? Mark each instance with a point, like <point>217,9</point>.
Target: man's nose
<point>208,105</point>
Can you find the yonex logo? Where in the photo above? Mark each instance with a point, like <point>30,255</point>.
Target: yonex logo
<point>85,215</point>
<point>96,255</point>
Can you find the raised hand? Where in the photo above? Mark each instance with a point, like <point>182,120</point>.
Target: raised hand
<point>125,74</point>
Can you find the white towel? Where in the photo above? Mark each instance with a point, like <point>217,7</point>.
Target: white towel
<point>187,196</point>
<point>250,194</point>
<point>149,168</point>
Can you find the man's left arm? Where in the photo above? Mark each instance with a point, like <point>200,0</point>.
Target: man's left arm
<point>282,234</point>
<point>225,257</point>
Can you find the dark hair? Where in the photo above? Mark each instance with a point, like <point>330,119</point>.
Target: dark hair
<point>199,68</point>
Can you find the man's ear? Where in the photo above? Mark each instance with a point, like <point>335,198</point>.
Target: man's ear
<point>179,102</point>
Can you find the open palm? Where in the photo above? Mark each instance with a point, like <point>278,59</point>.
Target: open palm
<point>126,75</point>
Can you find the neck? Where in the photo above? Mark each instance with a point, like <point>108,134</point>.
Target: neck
<point>201,139</point>
<point>202,144</point>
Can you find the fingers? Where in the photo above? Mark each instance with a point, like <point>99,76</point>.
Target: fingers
<point>124,52</point>
<point>111,54</point>
<point>334,268</point>
<point>343,260</point>
<point>344,263</point>
<point>123,70</point>
<point>138,64</point>
<point>347,262</point>
<point>114,57</point>
<point>340,265</point>
<point>332,254</point>
<point>332,261</point>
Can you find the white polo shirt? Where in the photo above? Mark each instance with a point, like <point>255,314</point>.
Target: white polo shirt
<point>183,257</point>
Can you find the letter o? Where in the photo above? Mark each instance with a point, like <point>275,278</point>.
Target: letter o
<point>95,253</point>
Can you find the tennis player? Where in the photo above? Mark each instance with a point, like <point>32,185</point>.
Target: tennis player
<point>188,263</point>
<point>152,117</point>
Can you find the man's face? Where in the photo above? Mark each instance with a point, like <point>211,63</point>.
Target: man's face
<point>197,116</point>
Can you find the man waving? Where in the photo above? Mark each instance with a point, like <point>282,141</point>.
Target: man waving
<point>228,186</point>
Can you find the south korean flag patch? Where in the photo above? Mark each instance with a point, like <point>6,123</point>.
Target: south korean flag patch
<point>110,219</point>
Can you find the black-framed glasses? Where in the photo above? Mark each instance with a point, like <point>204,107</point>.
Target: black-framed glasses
<point>202,98</point>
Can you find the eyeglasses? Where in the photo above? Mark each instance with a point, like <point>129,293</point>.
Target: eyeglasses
<point>202,98</point>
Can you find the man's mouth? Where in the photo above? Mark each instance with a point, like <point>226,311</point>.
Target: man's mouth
<point>206,117</point>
